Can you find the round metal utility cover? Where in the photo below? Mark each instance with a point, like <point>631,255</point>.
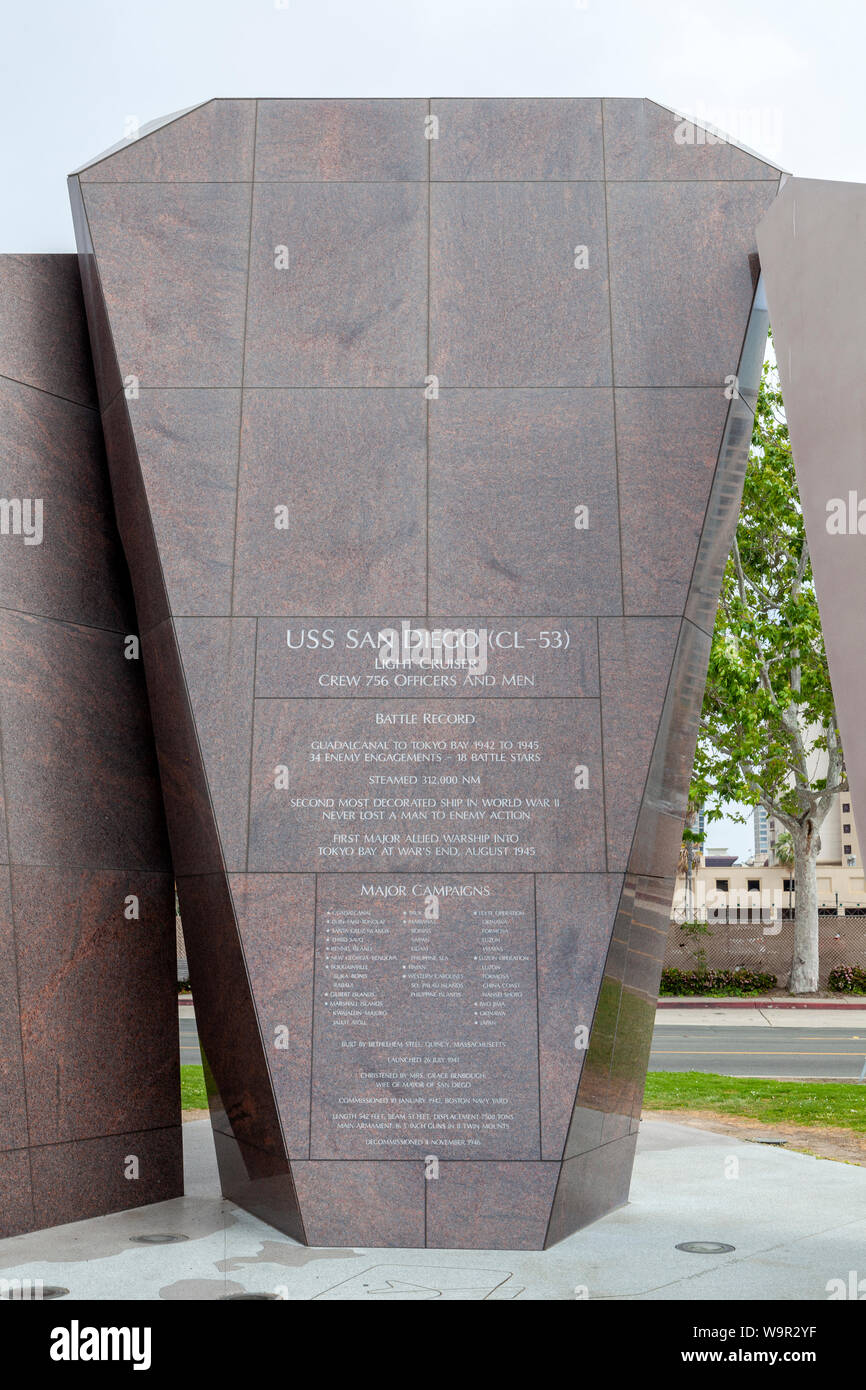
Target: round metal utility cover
<point>156,1239</point>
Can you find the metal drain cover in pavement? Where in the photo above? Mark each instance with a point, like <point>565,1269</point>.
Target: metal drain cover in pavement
<point>705,1247</point>
<point>158,1240</point>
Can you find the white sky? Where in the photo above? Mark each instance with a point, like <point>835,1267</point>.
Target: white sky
<point>787,79</point>
<point>72,73</point>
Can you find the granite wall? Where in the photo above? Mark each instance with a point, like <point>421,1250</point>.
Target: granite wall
<point>89,1096</point>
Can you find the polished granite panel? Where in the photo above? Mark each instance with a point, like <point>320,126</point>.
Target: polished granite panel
<point>78,936</point>
<point>102,347</point>
<point>132,513</point>
<point>349,308</point>
<point>649,902</point>
<point>172,264</point>
<point>490,1206</point>
<point>596,1094</point>
<point>87,895</point>
<point>187,444</point>
<point>503,536</point>
<point>350,468</point>
<point>218,657</point>
<point>13,1102</point>
<point>647,142</point>
<point>636,655</point>
<point>386,1201</point>
<point>671,767</point>
<point>90,1177</point>
<point>76,733</point>
<point>211,142</point>
<point>276,920</point>
<point>260,1183</point>
<point>240,1091</point>
<point>657,840</point>
<point>4,842</point>
<point>498,140</point>
<point>591,1186</point>
<point>680,431</point>
<point>291,829</point>
<point>811,246</point>
<point>293,658</point>
<point>466,975</point>
<point>504,253</point>
<point>575,913</point>
<point>67,563</point>
<point>337,140</point>
<point>16,1193</point>
<point>43,331</point>
<point>681,278</point>
<point>189,812</point>
<point>413,889</point>
<point>724,502</point>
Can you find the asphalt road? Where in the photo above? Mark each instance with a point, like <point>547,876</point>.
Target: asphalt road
<point>831,1053</point>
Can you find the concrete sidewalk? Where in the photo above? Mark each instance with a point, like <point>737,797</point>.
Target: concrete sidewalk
<point>760,1016</point>
<point>795,1222</point>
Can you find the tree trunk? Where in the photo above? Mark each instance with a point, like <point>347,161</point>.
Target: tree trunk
<point>804,967</point>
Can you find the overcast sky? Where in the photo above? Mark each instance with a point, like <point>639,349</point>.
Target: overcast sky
<point>786,79</point>
<point>73,74</point>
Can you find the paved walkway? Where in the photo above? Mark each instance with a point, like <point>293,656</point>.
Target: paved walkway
<point>795,1222</point>
<point>756,1016</point>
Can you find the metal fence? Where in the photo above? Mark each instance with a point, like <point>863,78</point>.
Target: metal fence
<point>768,946</point>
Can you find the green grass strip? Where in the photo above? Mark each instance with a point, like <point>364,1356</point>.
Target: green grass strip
<point>840,1104</point>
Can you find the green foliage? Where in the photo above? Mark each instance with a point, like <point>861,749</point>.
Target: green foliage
<point>694,933</point>
<point>847,979</point>
<point>715,982</point>
<point>840,1104</point>
<point>768,706</point>
<point>193,1095</point>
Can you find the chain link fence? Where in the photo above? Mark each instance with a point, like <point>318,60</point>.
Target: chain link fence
<point>747,941</point>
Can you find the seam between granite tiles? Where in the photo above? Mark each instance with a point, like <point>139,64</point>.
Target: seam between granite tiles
<point>428,696</point>
<point>427,420</point>
<point>8,876</point>
<point>459,610</point>
<point>612,367</point>
<point>313,1015</point>
<point>61,868</point>
<point>252,189</point>
<point>409,869</point>
<point>392,182</point>
<point>65,622</point>
<point>537,1013</point>
<point>419,385</point>
<point>252,744</point>
<point>113,1134</point>
<point>601,740</point>
<point>92,409</point>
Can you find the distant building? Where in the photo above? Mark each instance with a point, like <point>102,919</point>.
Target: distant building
<point>721,888</point>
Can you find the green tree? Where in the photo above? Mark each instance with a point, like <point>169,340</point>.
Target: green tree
<point>768,733</point>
